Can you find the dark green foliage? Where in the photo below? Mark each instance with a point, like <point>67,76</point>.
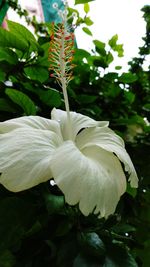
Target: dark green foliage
<point>22,100</point>
<point>37,227</point>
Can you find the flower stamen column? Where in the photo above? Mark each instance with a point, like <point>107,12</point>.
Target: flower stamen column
<point>61,54</point>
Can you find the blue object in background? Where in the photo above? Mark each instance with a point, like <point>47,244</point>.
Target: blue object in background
<point>50,14</point>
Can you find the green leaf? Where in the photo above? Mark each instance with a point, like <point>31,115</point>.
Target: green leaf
<point>9,39</point>
<point>82,1</point>
<point>16,217</point>
<point>87,31</point>
<point>99,61</point>
<point>6,259</point>
<point>50,97</point>
<point>129,96</point>
<point>23,33</point>
<point>35,228</point>
<point>88,21</point>
<point>8,55</point>
<point>82,261</point>
<point>123,228</point>
<point>37,73</point>
<point>54,204</point>
<point>91,244</point>
<point>147,107</point>
<point>43,60</point>
<point>118,255</point>
<point>2,75</point>
<point>63,228</point>
<point>109,58</point>
<point>113,90</point>
<point>5,105</point>
<point>127,78</point>
<point>118,67</point>
<point>22,100</point>
<point>116,47</point>
<point>113,41</point>
<point>111,76</point>
<point>119,49</point>
<point>86,99</point>
<point>100,47</point>
<point>86,8</point>
<point>128,261</point>
<point>80,54</point>
<point>135,119</point>
<point>131,191</point>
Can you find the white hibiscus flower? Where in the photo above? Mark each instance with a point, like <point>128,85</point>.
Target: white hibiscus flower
<point>82,155</point>
<point>87,168</point>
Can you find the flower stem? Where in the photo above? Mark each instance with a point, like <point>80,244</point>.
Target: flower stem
<point>64,83</point>
<point>69,124</point>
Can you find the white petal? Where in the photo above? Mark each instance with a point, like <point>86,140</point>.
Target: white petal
<point>105,138</point>
<point>94,179</point>
<point>25,155</point>
<point>35,122</point>
<point>78,120</point>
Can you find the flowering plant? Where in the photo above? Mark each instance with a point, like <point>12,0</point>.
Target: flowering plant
<point>82,155</point>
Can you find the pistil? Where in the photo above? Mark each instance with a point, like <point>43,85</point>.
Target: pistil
<point>64,83</point>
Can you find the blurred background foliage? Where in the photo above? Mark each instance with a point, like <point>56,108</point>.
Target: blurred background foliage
<point>37,228</point>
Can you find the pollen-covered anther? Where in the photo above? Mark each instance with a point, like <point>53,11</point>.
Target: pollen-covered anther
<point>61,52</point>
<point>68,37</point>
<point>70,59</point>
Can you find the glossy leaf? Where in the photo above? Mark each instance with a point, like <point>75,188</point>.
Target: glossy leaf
<point>129,96</point>
<point>91,244</point>
<point>109,58</point>
<point>50,97</point>
<point>119,49</point>
<point>100,47</point>
<point>86,8</point>
<point>80,54</point>
<point>116,47</point>
<point>22,100</point>
<point>43,60</point>
<point>113,41</point>
<point>127,78</point>
<point>36,72</point>
<point>88,21</point>
<point>9,39</point>
<point>99,61</point>
<point>23,33</point>
<point>8,55</point>
<point>87,31</point>
<point>54,204</point>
